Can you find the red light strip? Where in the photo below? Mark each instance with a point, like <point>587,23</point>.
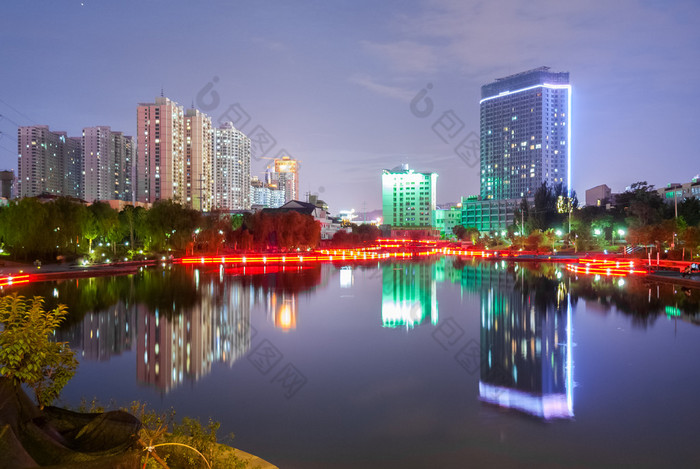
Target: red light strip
<point>605,267</point>
<point>11,280</point>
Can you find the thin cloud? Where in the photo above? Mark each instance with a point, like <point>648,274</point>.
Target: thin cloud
<point>405,55</point>
<point>485,39</point>
<point>388,91</point>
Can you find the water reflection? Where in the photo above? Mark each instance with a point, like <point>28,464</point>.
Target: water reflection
<point>172,349</point>
<point>526,349</point>
<point>103,335</point>
<point>409,293</point>
<point>180,322</point>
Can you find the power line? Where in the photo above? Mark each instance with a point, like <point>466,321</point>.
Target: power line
<point>4,117</point>
<point>14,152</point>
<point>18,112</point>
<point>11,136</point>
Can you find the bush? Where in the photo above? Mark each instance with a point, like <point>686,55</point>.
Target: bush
<point>27,354</point>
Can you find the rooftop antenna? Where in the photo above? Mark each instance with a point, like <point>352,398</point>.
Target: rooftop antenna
<point>162,95</point>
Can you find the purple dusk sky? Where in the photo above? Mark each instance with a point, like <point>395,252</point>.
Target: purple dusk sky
<point>331,81</point>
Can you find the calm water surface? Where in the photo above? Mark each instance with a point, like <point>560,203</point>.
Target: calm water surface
<point>410,365</point>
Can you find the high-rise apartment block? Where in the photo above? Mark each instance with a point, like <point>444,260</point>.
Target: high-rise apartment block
<point>525,134</point>
<point>265,195</point>
<point>284,173</point>
<point>96,165</point>
<point>198,166</point>
<point>122,148</point>
<point>408,199</point>
<point>232,189</point>
<point>48,162</point>
<point>107,157</point>
<point>160,172</point>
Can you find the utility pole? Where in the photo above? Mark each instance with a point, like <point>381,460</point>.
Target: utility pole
<point>522,228</point>
<point>675,201</point>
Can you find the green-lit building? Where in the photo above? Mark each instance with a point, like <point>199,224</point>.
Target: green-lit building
<point>444,220</point>
<point>488,215</point>
<point>680,192</point>
<point>408,201</point>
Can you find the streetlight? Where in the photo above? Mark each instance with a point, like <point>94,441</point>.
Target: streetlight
<point>620,233</point>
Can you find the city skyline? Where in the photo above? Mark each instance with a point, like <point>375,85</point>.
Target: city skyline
<point>332,84</point>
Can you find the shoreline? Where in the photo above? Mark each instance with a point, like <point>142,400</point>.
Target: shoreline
<point>15,273</point>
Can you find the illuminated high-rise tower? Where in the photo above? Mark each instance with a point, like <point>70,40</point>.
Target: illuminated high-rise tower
<point>106,160</point>
<point>525,134</point>
<point>160,156</point>
<point>48,162</point>
<point>231,168</point>
<point>199,161</point>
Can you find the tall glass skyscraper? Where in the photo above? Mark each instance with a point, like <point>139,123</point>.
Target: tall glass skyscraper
<point>525,134</point>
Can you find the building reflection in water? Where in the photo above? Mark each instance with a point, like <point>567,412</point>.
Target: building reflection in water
<point>103,335</point>
<point>183,322</point>
<point>282,309</point>
<point>526,356</point>
<point>409,294</point>
<point>172,348</point>
<point>346,277</point>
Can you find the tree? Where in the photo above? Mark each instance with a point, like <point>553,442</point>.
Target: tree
<point>549,239</point>
<point>237,221</point>
<point>65,217</point>
<point>462,233</point>
<point>27,355</point>
<point>169,225</point>
<point>107,219</point>
<point>533,241</point>
<point>641,204</point>
<point>128,220</point>
<point>689,210</point>
<point>545,213</point>
<point>24,227</point>
<point>90,229</point>
<point>367,233</point>
<point>691,239</point>
<point>216,230</point>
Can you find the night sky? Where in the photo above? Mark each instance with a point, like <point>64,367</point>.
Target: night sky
<point>331,81</point>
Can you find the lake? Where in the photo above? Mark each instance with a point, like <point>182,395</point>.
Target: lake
<point>441,363</point>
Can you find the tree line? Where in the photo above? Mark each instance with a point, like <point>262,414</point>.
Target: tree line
<point>639,217</point>
<point>64,228</point>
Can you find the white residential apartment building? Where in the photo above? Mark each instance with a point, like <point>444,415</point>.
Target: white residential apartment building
<point>232,182</point>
